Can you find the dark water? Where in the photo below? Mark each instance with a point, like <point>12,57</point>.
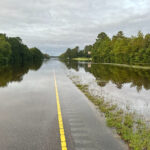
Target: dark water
<point>127,86</point>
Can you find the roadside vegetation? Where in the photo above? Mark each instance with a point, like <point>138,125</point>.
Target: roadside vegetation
<point>82,59</point>
<point>131,128</point>
<point>13,51</point>
<point>76,54</point>
<point>118,49</point>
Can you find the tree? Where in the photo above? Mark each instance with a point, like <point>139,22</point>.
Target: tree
<point>119,49</point>
<point>36,54</point>
<point>101,48</point>
<point>5,50</point>
<point>12,50</point>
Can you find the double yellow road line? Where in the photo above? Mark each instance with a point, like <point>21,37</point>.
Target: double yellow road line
<point>60,120</point>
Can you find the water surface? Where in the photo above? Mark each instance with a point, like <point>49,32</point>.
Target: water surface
<point>127,86</point>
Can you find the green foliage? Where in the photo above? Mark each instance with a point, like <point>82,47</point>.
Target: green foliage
<point>121,49</point>
<point>118,49</point>
<point>36,54</point>
<point>5,50</point>
<point>13,51</point>
<point>74,53</point>
<point>46,56</point>
<point>100,47</point>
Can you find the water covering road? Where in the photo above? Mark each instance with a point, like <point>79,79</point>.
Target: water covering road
<point>29,115</point>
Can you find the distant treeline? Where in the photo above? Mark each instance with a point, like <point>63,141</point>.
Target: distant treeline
<point>13,51</point>
<point>75,52</point>
<point>118,49</point>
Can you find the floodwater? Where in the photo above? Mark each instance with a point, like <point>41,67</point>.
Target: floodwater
<point>28,110</point>
<point>127,87</point>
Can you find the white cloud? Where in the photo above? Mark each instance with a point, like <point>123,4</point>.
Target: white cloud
<point>54,25</point>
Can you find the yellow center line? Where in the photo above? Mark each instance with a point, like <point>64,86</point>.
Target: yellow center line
<point>60,120</point>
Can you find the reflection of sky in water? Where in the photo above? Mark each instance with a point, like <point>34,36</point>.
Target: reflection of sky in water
<point>16,92</point>
<point>126,97</point>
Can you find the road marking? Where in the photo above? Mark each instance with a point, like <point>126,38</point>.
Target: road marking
<point>60,120</point>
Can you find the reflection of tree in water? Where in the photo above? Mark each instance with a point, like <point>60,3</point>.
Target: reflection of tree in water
<point>16,72</point>
<point>101,83</point>
<point>71,64</point>
<point>119,75</point>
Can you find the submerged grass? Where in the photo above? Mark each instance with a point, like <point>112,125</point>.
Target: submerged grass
<point>82,59</point>
<point>136,66</point>
<point>134,131</point>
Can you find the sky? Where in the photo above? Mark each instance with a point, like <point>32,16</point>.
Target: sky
<point>55,25</point>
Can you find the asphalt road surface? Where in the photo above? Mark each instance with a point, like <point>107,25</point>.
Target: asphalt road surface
<point>46,111</point>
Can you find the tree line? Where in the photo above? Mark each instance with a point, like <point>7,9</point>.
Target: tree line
<point>118,49</point>
<point>13,51</point>
<point>75,52</point>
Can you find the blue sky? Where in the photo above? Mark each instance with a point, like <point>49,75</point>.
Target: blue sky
<point>54,25</point>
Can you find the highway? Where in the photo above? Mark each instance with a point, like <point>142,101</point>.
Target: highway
<point>46,111</point>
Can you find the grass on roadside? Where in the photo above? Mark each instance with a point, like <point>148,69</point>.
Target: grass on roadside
<point>135,132</point>
<point>82,59</point>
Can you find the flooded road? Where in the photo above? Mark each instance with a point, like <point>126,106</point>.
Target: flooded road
<point>28,112</point>
<point>126,86</point>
